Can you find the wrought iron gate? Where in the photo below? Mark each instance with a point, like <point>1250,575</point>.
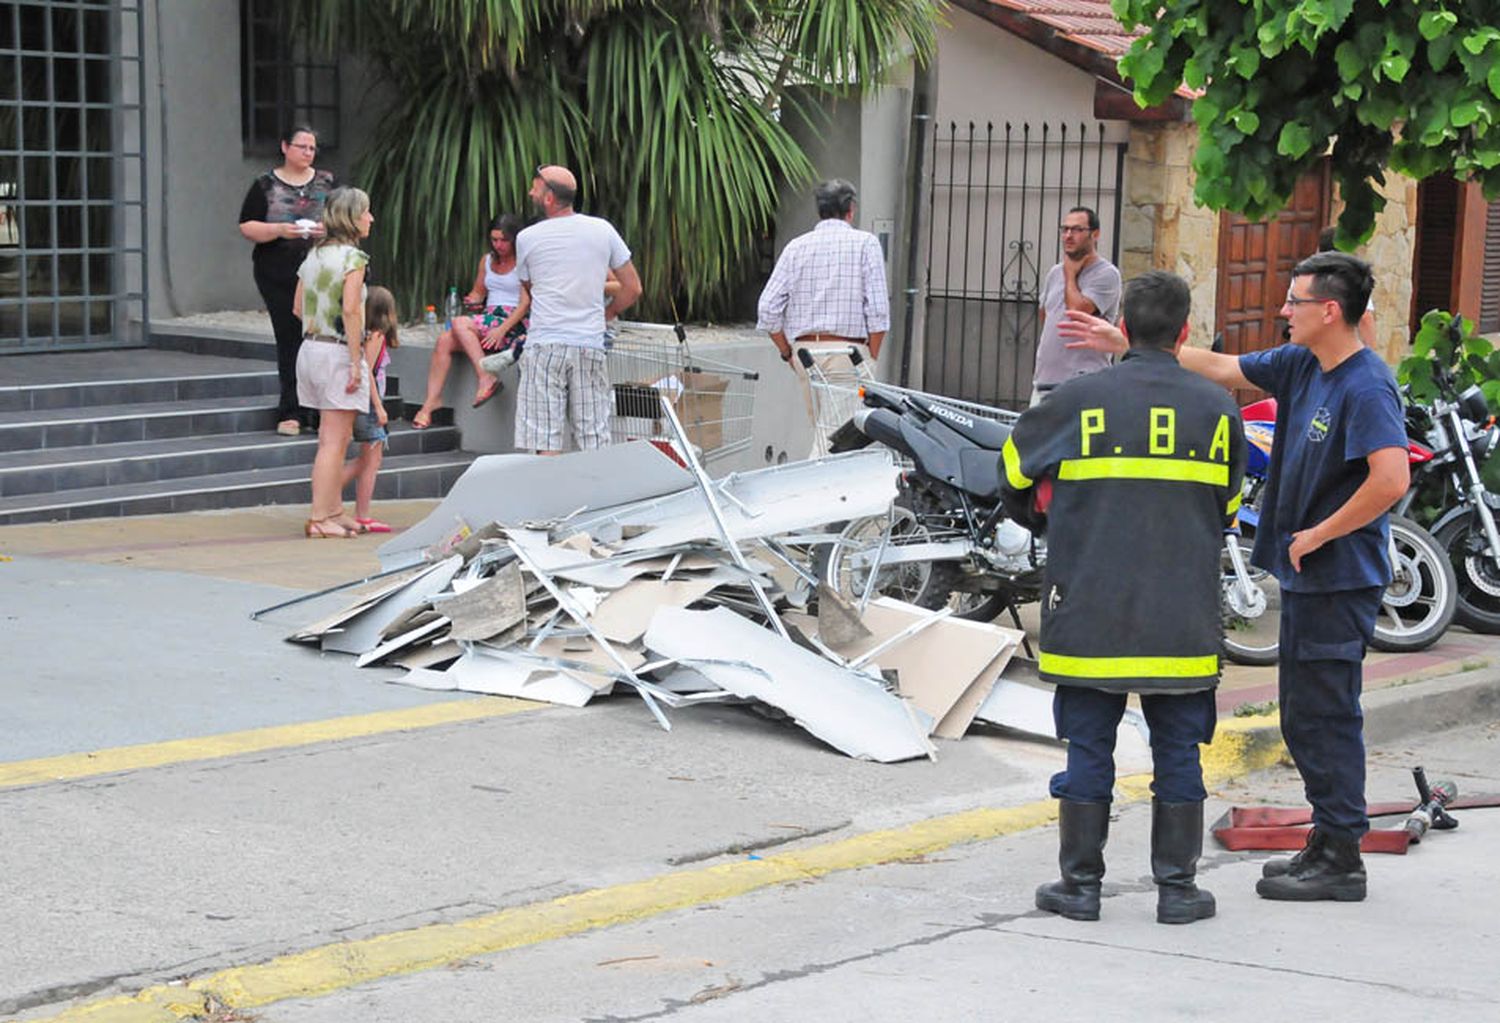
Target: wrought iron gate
<point>996,201</point>
<point>72,174</point>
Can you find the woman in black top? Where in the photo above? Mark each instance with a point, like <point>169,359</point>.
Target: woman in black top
<point>282,214</point>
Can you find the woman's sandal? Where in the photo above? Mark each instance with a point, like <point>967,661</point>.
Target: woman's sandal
<point>327,529</point>
<point>421,420</point>
<point>487,393</point>
<point>372,526</point>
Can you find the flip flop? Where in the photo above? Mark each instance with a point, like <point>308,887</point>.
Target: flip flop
<point>486,394</point>
<point>420,423</point>
<point>372,526</point>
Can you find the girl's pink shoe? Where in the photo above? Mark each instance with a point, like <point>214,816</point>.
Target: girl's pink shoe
<point>372,526</point>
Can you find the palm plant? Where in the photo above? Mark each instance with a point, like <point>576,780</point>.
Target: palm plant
<point>670,112</point>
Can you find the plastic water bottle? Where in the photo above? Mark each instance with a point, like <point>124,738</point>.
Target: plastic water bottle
<point>431,318</point>
<point>451,308</point>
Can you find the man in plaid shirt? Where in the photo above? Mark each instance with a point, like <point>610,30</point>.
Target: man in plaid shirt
<point>828,292</point>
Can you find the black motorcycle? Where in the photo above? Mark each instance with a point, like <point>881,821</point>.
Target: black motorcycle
<point>948,541</point>
<point>1456,434</point>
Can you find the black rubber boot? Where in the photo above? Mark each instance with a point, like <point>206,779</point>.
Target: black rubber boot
<point>1289,864</point>
<point>1336,873</point>
<point>1082,831</point>
<point>1176,844</point>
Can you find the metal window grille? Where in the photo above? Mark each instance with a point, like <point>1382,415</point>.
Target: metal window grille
<point>72,174</point>
<point>997,198</point>
<point>281,82</point>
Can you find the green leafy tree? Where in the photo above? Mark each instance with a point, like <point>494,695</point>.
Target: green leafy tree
<point>671,113</point>
<point>1413,85</point>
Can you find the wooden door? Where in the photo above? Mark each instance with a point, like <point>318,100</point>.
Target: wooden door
<point>1255,267</point>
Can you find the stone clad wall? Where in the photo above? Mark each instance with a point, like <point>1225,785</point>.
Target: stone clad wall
<point>1390,251</point>
<point>1164,229</point>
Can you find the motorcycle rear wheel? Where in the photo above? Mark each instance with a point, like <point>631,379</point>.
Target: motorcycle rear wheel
<point>927,584</point>
<point>1423,598</point>
<point>1477,580</point>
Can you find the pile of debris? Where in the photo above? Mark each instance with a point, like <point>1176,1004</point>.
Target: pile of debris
<point>622,568</point>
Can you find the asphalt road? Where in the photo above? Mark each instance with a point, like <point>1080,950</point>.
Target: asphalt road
<point>549,864</point>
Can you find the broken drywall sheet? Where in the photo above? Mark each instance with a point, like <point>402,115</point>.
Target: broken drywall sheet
<point>624,615</point>
<point>848,711</point>
<point>360,599</point>
<point>400,640</point>
<point>362,633</point>
<point>511,489</point>
<point>766,502</point>
<point>491,608</point>
<point>947,667</point>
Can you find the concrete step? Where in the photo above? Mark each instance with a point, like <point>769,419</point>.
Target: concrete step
<point>109,393</point>
<point>121,423</point>
<point>54,470</point>
<point>402,477</point>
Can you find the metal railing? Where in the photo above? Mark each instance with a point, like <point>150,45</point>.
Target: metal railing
<point>998,195</point>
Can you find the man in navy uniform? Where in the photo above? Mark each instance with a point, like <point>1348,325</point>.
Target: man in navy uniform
<point>1338,463</point>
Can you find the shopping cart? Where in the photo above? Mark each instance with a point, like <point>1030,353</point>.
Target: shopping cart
<point>714,400</point>
<point>835,388</point>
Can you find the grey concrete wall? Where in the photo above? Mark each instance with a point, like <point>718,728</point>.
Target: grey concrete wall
<point>198,168</point>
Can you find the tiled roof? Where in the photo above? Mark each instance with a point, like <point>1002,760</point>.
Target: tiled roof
<point>1088,23</point>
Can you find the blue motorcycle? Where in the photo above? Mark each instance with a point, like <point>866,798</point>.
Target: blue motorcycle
<point>1419,603</point>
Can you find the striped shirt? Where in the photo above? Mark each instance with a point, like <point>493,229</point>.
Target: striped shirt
<point>830,280</point>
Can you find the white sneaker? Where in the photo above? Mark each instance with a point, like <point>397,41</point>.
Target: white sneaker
<point>500,360</point>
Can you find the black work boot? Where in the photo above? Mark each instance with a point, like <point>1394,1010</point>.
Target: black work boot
<point>1289,864</point>
<point>1176,844</point>
<point>1082,831</point>
<point>1335,873</point>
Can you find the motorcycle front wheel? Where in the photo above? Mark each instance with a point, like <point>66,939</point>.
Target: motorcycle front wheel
<point>1478,580</point>
<point>1251,608</point>
<point>1423,596</point>
<point>926,584</point>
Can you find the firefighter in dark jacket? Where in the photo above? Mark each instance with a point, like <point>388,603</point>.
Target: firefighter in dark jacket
<point>1145,461</point>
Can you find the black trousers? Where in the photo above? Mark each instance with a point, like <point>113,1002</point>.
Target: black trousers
<point>278,295</point>
<point>1089,720</point>
<point>1323,640</point>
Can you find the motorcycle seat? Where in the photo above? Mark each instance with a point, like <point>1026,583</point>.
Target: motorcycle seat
<point>987,433</point>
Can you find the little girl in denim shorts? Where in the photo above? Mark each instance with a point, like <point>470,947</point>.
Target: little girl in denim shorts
<point>369,427</point>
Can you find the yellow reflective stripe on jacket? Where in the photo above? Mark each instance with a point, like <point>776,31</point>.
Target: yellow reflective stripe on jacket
<point>1233,505</point>
<point>1183,470</point>
<point>1129,667</point>
<point>1012,459</point>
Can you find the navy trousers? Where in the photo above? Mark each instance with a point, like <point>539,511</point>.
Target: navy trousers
<point>1323,640</point>
<point>1089,720</point>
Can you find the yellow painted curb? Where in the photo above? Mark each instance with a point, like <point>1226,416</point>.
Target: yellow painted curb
<point>329,968</point>
<point>1242,745</point>
<point>212,747</point>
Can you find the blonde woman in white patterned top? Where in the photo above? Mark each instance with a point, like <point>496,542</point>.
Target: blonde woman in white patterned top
<point>331,375</point>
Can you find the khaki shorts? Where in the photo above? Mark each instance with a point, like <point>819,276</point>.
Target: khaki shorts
<point>562,384</point>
